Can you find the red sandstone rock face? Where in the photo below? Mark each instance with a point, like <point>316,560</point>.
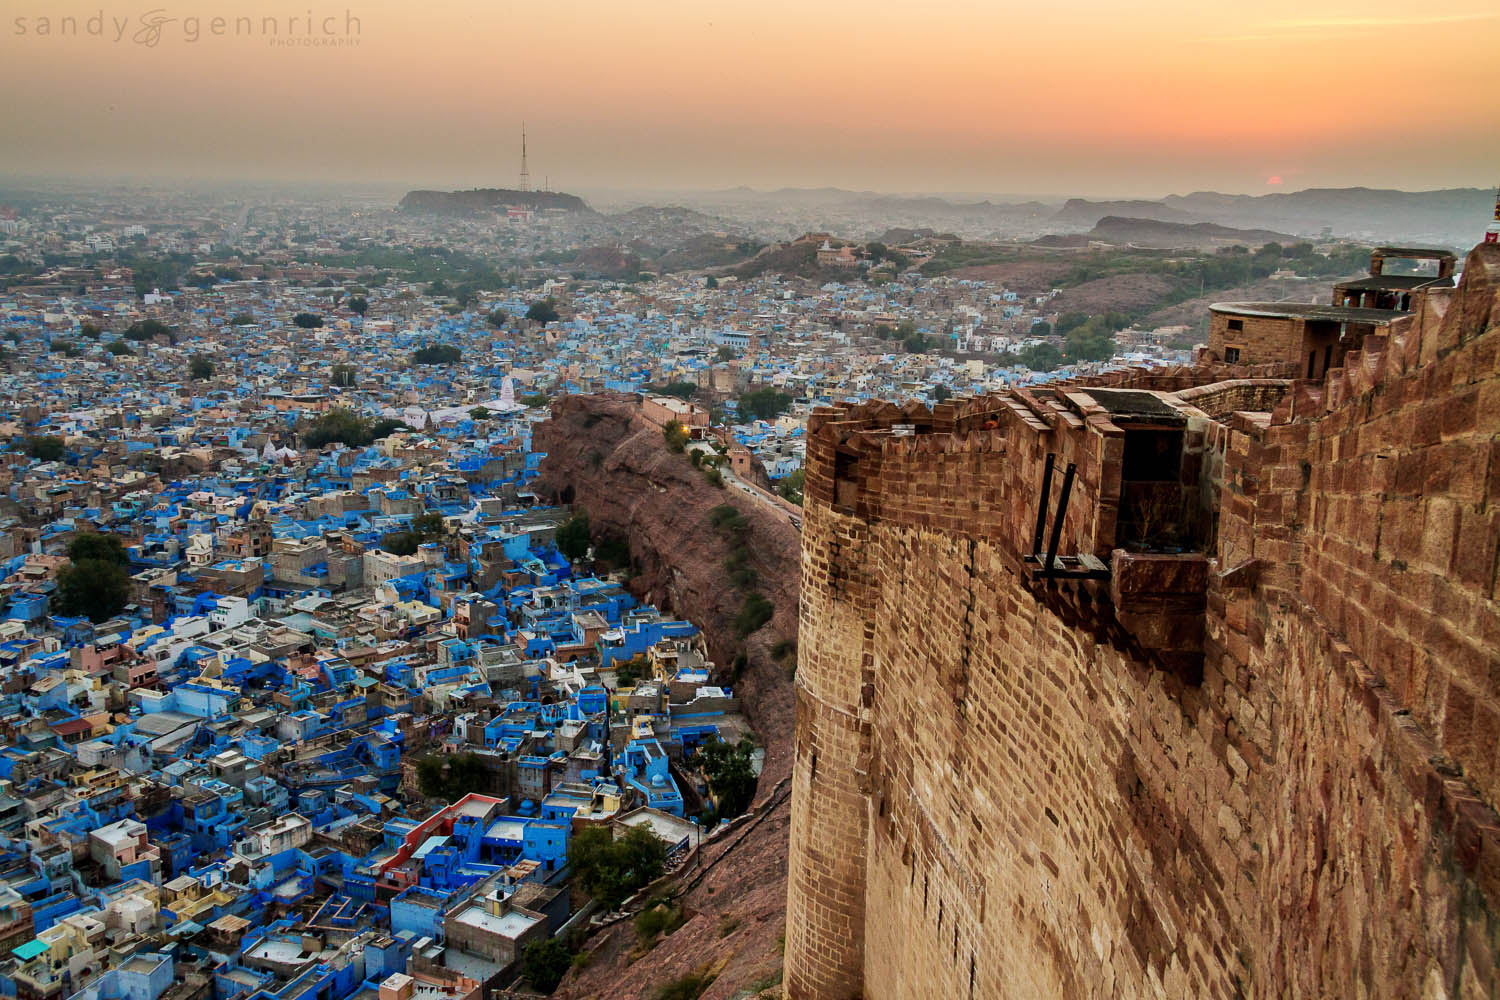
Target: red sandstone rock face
<point>604,457</point>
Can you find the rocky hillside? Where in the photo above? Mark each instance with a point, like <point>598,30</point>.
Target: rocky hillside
<point>604,457</point>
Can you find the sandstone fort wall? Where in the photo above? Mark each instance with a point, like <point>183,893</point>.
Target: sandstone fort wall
<point>1276,779</point>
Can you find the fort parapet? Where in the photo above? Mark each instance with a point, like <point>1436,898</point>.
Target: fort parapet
<point>1171,682</point>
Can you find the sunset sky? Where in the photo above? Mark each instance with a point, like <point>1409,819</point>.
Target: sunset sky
<point>1068,97</point>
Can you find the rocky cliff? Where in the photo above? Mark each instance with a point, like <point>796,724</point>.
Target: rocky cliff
<point>604,457</point>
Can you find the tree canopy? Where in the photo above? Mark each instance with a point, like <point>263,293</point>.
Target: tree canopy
<point>149,329</point>
<point>436,354</point>
<point>764,403</point>
<point>609,868</point>
<point>573,538</point>
<point>308,321</point>
<point>201,368</point>
<point>543,312</point>
<point>544,962</point>
<point>730,777</point>
<point>344,426</point>
<point>1043,357</point>
<point>47,448</point>
<point>94,584</point>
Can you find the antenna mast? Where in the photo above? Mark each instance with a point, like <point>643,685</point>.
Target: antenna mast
<point>525,174</point>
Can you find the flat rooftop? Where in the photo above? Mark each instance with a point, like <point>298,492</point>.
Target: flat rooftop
<point>1136,404</point>
<point>1309,310</point>
<point>1394,282</point>
<point>509,925</point>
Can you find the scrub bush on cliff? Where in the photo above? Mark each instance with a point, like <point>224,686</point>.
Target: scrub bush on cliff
<point>754,613</point>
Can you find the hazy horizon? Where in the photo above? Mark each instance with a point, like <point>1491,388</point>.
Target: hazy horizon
<point>1082,97</point>
<point>201,183</point>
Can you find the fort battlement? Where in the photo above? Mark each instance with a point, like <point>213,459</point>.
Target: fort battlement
<point>1174,682</point>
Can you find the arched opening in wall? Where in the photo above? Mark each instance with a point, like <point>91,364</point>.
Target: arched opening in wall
<point>566,496</point>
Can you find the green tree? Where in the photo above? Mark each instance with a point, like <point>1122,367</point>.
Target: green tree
<point>610,869</point>
<point>386,427</point>
<point>201,368</point>
<point>341,425</point>
<point>149,329</point>
<point>676,435</point>
<point>401,543</point>
<point>429,525</point>
<point>681,390</point>
<point>451,777</point>
<point>94,545</point>
<point>119,348</point>
<point>436,354</point>
<point>94,584</point>
<point>46,448</point>
<point>358,304</point>
<point>711,282</point>
<point>725,353</point>
<point>344,376</point>
<point>147,275</point>
<point>1090,341</point>
<point>545,962</point>
<point>543,312</point>
<point>1043,357</point>
<point>479,413</point>
<point>790,488</point>
<point>497,319</point>
<point>308,321</point>
<point>535,399</point>
<point>243,319</point>
<point>730,776</point>
<point>941,393</point>
<point>90,330</point>
<point>765,403</point>
<point>573,538</point>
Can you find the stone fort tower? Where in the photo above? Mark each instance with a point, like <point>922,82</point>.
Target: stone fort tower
<point>1173,683</point>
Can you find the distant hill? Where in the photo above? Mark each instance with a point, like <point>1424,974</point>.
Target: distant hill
<point>1453,217</point>
<point>1082,212</point>
<point>1150,232</point>
<point>487,200</point>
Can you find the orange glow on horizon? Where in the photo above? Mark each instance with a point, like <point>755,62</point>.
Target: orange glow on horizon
<point>1080,96</point>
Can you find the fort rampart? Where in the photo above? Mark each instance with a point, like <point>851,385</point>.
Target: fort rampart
<point>1236,736</point>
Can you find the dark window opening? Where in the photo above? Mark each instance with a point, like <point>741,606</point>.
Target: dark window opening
<point>1312,363</point>
<point>1327,358</point>
<point>1236,324</point>
<point>845,489</point>
<point>1231,354</point>
<point>1155,514</point>
<point>1152,456</point>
